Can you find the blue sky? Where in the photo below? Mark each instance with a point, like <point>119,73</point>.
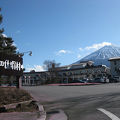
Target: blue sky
<point>61,30</point>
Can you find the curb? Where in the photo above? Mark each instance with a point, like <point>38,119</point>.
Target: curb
<point>41,113</point>
<point>59,116</point>
<point>13,105</point>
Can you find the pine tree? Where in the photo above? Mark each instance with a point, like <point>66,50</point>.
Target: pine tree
<point>6,43</point>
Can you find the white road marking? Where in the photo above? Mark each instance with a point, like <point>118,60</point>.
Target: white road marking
<point>109,114</point>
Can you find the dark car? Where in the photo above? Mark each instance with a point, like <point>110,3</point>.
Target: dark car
<point>77,81</point>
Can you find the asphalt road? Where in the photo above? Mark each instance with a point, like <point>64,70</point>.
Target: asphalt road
<point>81,102</point>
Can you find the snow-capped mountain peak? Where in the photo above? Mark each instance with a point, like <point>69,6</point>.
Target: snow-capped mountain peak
<point>102,55</point>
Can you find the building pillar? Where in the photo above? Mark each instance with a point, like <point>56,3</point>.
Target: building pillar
<point>73,77</point>
<point>25,82</point>
<point>29,82</point>
<point>18,82</point>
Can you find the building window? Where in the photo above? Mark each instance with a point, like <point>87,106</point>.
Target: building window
<point>114,62</point>
<point>115,69</point>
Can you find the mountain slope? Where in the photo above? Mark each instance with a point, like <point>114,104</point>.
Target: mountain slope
<point>102,55</point>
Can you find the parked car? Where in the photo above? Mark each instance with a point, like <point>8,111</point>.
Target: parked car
<point>77,81</point>
<point>85,80</point>
<point>99,80</point>
<point>116,79</point>
<point>90,81</point>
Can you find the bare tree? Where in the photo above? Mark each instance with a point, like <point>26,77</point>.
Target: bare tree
<point>52,66</point>
<point>49,64</point>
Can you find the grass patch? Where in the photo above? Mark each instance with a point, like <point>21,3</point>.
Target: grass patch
<point>13,95</point>
<point>31,107</point>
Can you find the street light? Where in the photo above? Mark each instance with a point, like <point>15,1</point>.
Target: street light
<point>23,53</point>
<point>30,53</point>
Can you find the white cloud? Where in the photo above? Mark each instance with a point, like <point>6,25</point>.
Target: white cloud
<point>63,52</point>
<point>37,68</point>
<point>97,46</point>
<point>79,56</point>
<point>88,49</point>
<point>80,49</point>
<point>14,44</point>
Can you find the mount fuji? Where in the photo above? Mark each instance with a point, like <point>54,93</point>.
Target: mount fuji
<point>102,55</point>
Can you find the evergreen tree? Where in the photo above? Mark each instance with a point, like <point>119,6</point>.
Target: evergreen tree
<point>6,43</point>
<point>7,47</point>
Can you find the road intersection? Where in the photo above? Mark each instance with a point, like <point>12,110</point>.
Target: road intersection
<point>97,102</point>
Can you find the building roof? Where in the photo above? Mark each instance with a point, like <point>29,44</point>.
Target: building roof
<point>35,72</point>
<point>86,61</point>
<point>114,58</point>
<point>87,67</point>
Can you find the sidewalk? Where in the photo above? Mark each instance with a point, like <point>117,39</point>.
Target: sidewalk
<point>74,84</point>
<point>36,115</point>
<point>18,116</point>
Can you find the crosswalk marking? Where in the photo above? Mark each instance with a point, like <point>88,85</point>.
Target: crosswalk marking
<point>109,114</point>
